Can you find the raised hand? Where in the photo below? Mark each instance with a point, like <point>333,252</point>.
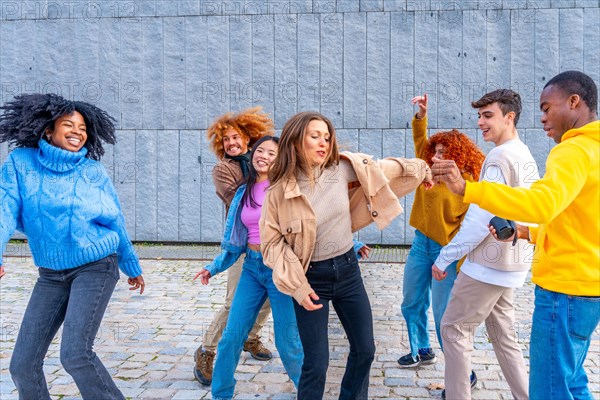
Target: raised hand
<point>421,101</point>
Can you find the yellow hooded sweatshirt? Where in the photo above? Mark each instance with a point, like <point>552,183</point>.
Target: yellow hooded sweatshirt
<point>566,205</point>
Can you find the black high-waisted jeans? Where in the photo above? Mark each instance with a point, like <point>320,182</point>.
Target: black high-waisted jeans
<point>337,280</point>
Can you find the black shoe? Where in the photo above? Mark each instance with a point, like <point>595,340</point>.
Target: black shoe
<point>472,379</point>
<point>408,361</point>
<point>427,357</point>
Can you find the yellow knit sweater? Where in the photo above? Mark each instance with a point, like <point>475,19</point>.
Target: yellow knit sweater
<point>437,213</point>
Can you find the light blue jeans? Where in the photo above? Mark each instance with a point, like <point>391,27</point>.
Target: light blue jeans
<point>419,290</point>
<point>77,298</point>
<point>560,338</point>
<point>256,283</point>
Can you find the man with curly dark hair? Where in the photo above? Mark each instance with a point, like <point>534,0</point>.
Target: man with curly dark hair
<point>55,191</point>
<point>231,137</point>
<point>436,216</point>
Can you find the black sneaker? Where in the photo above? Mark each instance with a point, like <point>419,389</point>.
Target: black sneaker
<point>472,379</point>
<point>408,361</point>
<point>423,357</point>
<point>427,356</point>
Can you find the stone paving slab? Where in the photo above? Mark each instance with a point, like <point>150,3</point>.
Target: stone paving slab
<point>147,342</point>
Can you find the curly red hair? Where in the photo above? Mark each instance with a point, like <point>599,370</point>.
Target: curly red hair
<point>251,123</point>
<point>458,147</point>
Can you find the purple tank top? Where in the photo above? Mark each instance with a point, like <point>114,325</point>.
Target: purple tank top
<point>250,215</point>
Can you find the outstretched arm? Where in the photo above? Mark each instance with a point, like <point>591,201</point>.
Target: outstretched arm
<point>566,174</point>
<point>420,101</point>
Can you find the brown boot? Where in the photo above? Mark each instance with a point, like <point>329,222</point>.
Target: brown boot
<point>203,370</point>
<point>257,350</point>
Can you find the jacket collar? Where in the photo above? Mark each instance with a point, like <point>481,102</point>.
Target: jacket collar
<point>291,189</point>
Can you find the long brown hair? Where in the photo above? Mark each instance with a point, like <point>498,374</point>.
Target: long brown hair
<point>291,158</point>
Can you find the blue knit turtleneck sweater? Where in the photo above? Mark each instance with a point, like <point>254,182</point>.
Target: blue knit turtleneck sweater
<point>66,205</point>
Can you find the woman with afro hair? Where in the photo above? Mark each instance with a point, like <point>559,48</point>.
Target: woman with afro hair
<point>54,190</point>
<point>436,216</point>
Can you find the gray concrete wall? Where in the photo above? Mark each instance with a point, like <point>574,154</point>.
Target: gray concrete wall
<point>165,68</point>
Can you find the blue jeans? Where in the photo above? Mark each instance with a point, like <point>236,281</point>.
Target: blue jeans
<point>560,339</point>
<point>337,280</point>
<point>420,290</point>
<point>256,283</point>
<point>78,298</point>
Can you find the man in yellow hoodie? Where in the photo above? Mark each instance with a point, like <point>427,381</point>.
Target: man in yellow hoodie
<point>566,205</point>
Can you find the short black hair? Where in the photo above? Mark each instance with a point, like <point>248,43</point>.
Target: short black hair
<point>575,82</point>
<point>508,100</point>
<point>25,119</point>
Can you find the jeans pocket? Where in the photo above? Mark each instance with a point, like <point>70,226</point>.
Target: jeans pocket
<point>584,314</point>
<point>111,263</point>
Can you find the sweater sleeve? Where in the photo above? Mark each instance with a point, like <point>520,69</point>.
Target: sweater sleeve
<point>404,174</point>
<point>222,262</point>
<point>566,174</point>
<point>129,262</point>
<point>10,201</point>
<point>419,131</point>
<point>473,229</point>
<point>288,273</point>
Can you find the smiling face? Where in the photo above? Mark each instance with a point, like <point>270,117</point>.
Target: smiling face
<point>495,127</point>
<point>263,158</point>
<point>234,143</point>
<point>316,142</point>
<point>68,133</point>
<point>556,110</point>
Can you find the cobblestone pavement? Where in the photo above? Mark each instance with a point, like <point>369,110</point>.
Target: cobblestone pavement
<point>147,342</point>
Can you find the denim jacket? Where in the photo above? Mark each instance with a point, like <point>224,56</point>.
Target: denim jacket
<point>235,238</point>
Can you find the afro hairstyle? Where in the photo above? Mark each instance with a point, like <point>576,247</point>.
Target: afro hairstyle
<point>25,118</point>
<point>251,123</point>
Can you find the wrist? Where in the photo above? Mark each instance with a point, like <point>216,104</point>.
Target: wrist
<point>523,232</point>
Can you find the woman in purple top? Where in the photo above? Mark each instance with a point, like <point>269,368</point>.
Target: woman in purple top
<point>256,282</point>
